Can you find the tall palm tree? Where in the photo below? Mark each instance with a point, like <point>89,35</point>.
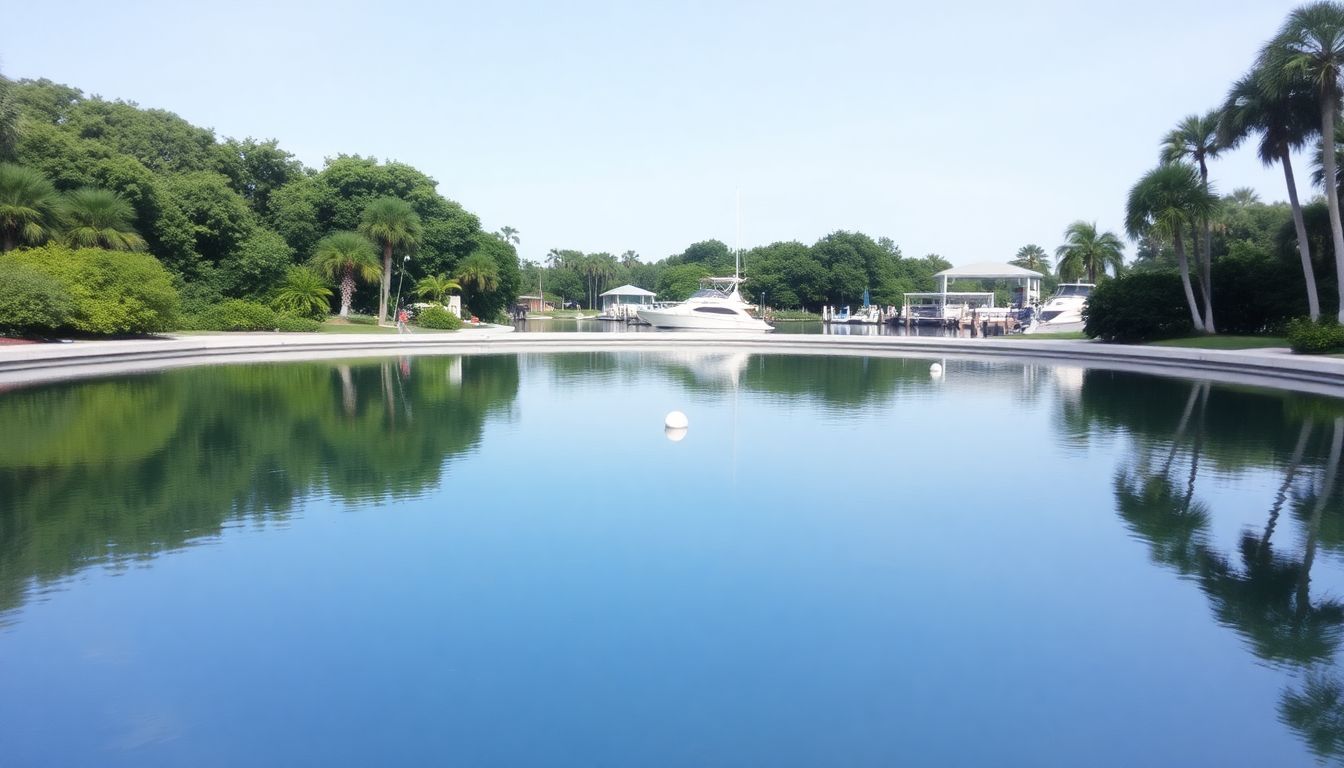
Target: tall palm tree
<point>478,272</point>
<point>1032,256</point>
<point>436,287</point>
<point>303,294</point>
<point>554,258</point>
<point>30,208</point>
<point>1310,47</point>
<point>1196,139</point>
<point>1283,118</point>
<point>1085,250</point>
<point>629,259</point>
<point>391,223</point>
<point>9,120</point>
<point>1166,201</point>
<point>346,257</point>
<point>100,218</point>
<point>509,235</point>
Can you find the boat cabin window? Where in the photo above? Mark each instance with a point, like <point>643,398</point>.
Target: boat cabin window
<point>1073,290</point>
<point>716,310</point>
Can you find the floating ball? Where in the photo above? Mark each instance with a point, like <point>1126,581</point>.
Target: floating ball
<point>936,369</point>
<point>676,420</point>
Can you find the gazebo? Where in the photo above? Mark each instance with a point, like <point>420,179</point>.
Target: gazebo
<point>952,308</point>
<point>625,296</point>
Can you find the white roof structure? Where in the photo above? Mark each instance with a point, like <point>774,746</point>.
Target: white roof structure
<point>986,270</point>
<point>628,290</point>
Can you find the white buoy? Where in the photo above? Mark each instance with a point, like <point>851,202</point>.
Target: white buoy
<point>675,434</point>
<point>676,420</point>
<point>936,369</point>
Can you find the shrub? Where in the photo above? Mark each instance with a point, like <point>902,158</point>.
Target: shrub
<point>112,292</point>
<point>243,315</point>
<point>1138,306</point>
<point>1308,338</point>
<point>30,301</point>
<point>438,319</point>
<point>303,293</point>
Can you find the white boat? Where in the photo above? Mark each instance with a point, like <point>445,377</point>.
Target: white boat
<point>717,306</point>
<point>870,314</point>
<point>1063,311</point>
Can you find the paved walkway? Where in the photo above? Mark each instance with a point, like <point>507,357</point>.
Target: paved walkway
<point>1264,367</point>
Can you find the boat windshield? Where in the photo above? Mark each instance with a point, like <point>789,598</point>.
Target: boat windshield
<point>1073,289</point>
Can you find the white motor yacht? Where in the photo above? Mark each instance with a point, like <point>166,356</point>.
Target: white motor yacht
<point>717,306</point>
<point>1063,312</point>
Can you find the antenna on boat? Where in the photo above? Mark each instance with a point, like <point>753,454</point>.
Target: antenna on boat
<point>737,239</point>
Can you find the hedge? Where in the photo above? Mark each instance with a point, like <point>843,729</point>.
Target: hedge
<point>110,292</point>
<point>243,315</point>
<point>1139,306</point>
<point>438,319</point>
<point>1321,338</point>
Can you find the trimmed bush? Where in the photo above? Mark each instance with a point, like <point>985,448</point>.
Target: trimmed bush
<point>30,301</point>
<point>291,324</point>
<point>1308,338</point>
<point>1138,306</point>
<point>438,319</point>
<point>243,315</point>
<point>113,292</point>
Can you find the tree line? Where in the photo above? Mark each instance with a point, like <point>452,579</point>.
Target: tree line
<point>231,218</point>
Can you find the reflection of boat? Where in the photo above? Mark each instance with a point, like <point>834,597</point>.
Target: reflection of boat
<point>717,306</point>
<point>1063,312</point>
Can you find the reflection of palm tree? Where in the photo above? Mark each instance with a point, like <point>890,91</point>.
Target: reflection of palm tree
<point>1314,526</point>
<point>1170,523</point>
<point>1316,713</point>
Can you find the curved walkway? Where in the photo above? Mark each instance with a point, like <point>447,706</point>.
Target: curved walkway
<point>31,363</point>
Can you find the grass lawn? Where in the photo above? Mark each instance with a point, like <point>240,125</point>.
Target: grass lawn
<point>1224,342</point>
<point>1044,336</point>
<point>333,326</point>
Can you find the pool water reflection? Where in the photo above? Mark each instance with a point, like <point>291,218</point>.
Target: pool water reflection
<point>501,560</point>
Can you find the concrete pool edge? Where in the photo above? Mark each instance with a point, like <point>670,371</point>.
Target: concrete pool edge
<point>1276,368</point>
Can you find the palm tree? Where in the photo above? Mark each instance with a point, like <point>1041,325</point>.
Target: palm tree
<point>1164,202</point>
<point>391,223</point>
<point>345,257</point>
<point>1087,251</point>
<point>1032,256</point>
<point>509,235</point>
<point>436,288</point>
<point>1196,138</point>
<point>9,119</point>
<point>479,272</point>
<point>1283,119</point>
<point>30,209</point>
<point>1310,47</point>
<point>100,218</point>
<point>302,294</point>
<point>629,259</point>
<point>554,258</point>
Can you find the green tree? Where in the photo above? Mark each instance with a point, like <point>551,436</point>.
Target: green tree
<point>256,169</point>
<point>1196,138</point>
<point>1032,257</point>
<point>1088,252</point>
<point>100,218</point>
<point>509,235</point>
<point>347,257</point>
<point>1310,47</point>
<point>436,288</point>
<point>1283,118</point>
<point>391,223</point>
<point>303,294</point>
<point>479,273</point>
<point>30,209</point>
<point>1164,203</point>
<point>9,120</point>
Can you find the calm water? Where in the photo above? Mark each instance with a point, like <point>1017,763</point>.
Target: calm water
<point>591,326</point>
<point>504,561</point>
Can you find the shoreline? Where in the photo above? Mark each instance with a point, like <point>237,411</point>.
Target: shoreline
<point>1274,368</point>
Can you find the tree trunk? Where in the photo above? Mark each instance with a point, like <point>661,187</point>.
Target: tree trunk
<point>1185,281</point>
<point>347,290</point>
<point>386,282</point>
<point>1303,246</point>
<point>1323,498</point>
<point>348,394</point>
<point>1282,495</point>
<point>1332,190</point>
<point>1206,261</point>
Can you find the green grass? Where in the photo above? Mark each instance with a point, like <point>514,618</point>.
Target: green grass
<point>1224,342</point>
<point>331,326</point>
<point>1070,335</point>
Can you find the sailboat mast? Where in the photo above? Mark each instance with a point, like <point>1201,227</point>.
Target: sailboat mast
<point>737,238</point>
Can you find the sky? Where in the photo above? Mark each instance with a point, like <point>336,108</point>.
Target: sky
<point>965,130</point>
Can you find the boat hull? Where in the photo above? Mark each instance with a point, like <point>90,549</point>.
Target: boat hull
<point>682,321</point>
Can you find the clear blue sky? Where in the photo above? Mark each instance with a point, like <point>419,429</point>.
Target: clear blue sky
<point>606,126</point>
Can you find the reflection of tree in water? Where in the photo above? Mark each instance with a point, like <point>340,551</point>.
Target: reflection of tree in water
<point>1261,593</point>
<point>116,470</point>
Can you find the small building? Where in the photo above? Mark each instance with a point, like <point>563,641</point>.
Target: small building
<point>536,303</point>
<point>625,299</point>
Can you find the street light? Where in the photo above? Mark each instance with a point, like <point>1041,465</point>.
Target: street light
<point>396,305</point>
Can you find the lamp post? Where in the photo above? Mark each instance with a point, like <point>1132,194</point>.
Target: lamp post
<point>396,306</point>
